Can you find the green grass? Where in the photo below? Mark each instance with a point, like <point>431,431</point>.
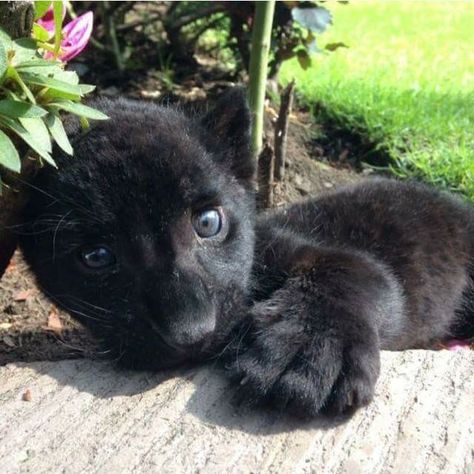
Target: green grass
<point>406,83</point>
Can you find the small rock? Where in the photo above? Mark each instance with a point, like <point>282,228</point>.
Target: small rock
<point>54,322</point>
<point>23,295</point>
<point>26,397</point>
<point>150,94</point>
<point>8,341</point>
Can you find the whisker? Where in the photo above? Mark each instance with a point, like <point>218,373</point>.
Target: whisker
<point>61,302</point>
<point>239,335</point>
<point>56,232</point>
<point>84,302</point>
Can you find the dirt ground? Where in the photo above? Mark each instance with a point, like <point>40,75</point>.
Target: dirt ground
<point>32,328</point>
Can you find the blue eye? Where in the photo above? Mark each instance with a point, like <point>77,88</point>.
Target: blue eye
<point>97,257</point>
<point>207,223</point>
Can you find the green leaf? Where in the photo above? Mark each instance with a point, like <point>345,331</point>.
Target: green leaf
<point>13,73</point>
<point>61,84</point>
<point>56,128</point>
<point>16,109</point>
<point>38,130</point>
<point>41,8</point>
<point>25,50</point>
<point>52,83</point>
<point>42,70</point>
<point>5,39</point>
<point>313,18</point>
<point>28,138</point>
<point>85,125</point>
<point>86,88</point>
<point>80,109</point>
<point>40,33</point>
<point>58,21</point>
<point>70,77</point>
<point>8,154</point>
<point>334,46</point>
<point>42,67</point>
<point>3,59</point>
<point>41,63</point>
<point>303,58</point>
<point>52,95</point>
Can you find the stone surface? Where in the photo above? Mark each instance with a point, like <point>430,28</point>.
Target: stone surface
<point>84,416</point>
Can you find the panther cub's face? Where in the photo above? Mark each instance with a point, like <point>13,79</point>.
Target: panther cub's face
<point>146,234</point>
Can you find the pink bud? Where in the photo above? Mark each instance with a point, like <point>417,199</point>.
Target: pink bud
<point>76,35</point>
<point>47,20</point>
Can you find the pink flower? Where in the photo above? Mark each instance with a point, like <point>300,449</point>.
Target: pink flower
<point>457,345</point>
<point>47,20</point>
<point>75,35</point>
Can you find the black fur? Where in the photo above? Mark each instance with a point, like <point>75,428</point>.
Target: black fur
<point>297,303</point>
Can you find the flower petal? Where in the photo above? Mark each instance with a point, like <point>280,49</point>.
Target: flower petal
<point>76,35</point>
<point>47,20</point>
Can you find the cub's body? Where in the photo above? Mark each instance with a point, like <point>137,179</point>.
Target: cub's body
<point>149,235</point>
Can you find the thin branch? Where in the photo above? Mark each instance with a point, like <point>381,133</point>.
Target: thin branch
<point>109,22</point>
<point>142,22</point>
<point>187,19</point>
<point>204,28</point>
<point>265,177</point>
<point>281,130</point>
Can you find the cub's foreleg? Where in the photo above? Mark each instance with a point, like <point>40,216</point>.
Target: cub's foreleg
<point>312,342</point>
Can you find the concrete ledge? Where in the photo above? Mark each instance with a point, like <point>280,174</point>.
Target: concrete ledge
<point>85,416</point>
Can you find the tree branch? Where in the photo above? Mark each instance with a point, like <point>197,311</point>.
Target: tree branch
<point>16,18</point>
<point>196,15</point>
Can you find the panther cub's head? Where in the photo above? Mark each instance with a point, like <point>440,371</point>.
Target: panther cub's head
<point>146,234</point>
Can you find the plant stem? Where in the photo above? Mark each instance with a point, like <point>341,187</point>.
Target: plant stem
<point>58,21</point>
<point>261,36</point>
<point>109,23</point>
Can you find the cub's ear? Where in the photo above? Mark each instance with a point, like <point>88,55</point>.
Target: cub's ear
<point>227,133</point>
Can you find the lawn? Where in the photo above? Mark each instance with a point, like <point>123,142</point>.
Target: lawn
<point>406,83</point>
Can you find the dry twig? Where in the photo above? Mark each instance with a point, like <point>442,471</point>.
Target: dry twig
<point>265,177</point>
<point>281,130</point>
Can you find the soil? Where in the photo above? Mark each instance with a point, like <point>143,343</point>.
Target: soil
<point>31,327</point>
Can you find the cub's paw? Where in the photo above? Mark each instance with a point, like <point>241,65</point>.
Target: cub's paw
<point>302,361</point>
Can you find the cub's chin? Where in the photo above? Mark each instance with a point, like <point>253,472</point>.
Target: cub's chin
<point>148,350</point>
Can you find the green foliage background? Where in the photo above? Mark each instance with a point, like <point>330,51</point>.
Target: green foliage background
<point>406,84</point>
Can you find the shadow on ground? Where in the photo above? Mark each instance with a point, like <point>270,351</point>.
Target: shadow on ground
<point>209,395</point>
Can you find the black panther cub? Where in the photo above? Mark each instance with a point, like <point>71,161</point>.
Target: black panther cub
<point>150,237</point>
